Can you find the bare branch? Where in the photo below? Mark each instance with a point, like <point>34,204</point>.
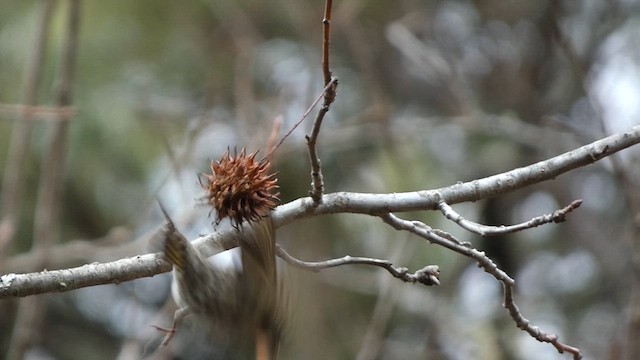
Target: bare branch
<point>326,42</point>
<point>428,275</point>
<point>17,285</point>
<point>376,204</point>
<point>490,267</point>
<point>114,272</point>
<point>535,332</point>
<point>484,230</point>
<point>331,83</point>
<point>379,205</point>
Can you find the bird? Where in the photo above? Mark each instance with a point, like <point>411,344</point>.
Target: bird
<point>238,291</point>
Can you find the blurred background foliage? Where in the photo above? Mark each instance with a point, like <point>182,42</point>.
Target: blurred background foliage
<point>431,93</point>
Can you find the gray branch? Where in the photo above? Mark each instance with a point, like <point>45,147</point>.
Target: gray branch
<point>375,204</point>
<point>12,285</point>
<point>485,230</point>
<point>428,275</point>
<point>486,264</point>
<point>17,285</point>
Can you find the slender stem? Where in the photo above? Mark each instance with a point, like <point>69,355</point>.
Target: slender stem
<point>428,275</point>
<point>326,41</point>
<point>317,183</point>
<point>485,230</point>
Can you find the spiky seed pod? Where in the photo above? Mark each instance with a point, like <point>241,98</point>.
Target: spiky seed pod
<point>240,188</point>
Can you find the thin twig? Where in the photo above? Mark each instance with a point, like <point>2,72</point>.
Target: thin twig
<point>485,230</point>
<point>317,184</point>
<point>490,267</point>
<point>428,275</point>
<point>534,331</point>
<point>326,41</point>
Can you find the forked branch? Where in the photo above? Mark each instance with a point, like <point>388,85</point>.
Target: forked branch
<point>490,267</point>
<point>12,285</point>
<point>373,204</point>
<point>331,84</point>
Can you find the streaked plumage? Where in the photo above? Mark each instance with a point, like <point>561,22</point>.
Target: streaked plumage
<point>244,298</point>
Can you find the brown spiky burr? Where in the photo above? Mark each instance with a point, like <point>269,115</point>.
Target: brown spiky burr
<point>240,187</point>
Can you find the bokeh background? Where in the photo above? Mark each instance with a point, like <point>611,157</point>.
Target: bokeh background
<point>431,93</point>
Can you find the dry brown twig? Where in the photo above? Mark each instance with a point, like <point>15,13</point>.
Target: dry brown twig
<point>331,84</point>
